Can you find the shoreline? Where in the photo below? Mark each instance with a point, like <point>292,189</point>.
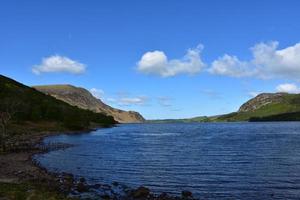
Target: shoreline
<point>20,168</point>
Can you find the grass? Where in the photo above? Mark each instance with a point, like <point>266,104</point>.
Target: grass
<point>290,104</point>
<point>28,104</point>
<point>28,191</point>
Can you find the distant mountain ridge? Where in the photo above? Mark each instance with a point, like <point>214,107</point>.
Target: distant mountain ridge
<point>267,106</point>
<point>82,98</point>
<point>263,107</point>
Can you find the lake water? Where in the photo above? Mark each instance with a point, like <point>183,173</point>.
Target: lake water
<point>213,160</point>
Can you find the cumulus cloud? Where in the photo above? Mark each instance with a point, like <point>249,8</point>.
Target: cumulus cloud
<point>98,93</point>
<point>58,63</point>
<point>267,62</point>
<point>157,63</point>
<point>231,66</point>
<point>288,88</point>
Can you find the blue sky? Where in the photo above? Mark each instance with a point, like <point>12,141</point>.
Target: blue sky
<point>165,59</point>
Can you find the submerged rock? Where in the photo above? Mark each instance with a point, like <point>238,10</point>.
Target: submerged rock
<point>82,187</point>
<point>117,191</point>
<point>67,182</point>
<point>82,180</point>
<point>140,193</point>
<point>164,196</point>
<point>95,186</point>
<point>115,183</point>
<point>186,194</point>
<point>105,197</point>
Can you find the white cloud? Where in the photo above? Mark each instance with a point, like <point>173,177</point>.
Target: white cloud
<point>98,93</point>
<point>157,63</point>
<point>129,101</point>
<point>230,66</point>
<point>59,64</point>
<point>120,99</point>
<point>267,62</point>
<point>288,88</point>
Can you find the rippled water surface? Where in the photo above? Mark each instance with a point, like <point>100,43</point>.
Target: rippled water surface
<point>213,160</point>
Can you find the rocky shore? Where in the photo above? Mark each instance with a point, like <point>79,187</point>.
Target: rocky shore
<point>19,167</point>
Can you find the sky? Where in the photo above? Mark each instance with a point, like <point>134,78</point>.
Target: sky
<point>164,59</point>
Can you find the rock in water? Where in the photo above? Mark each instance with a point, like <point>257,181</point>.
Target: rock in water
<point>140,193</point>
<point>186,194</point>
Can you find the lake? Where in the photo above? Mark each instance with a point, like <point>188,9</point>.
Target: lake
<point>213,160</point>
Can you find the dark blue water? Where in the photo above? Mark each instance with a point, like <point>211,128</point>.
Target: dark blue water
<point>213,160</point>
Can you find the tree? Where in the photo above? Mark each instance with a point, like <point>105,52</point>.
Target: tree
<point>7,112</point>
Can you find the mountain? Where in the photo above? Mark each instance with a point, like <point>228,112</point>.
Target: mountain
<point>265,105</point>
<point>262,100</point>
<point>20,103</point>
<point>82,98</point>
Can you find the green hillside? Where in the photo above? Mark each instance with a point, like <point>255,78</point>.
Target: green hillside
<point>25,104</point>
<point>293,116</point>
<point>264,107</point>
<point>288,103</point>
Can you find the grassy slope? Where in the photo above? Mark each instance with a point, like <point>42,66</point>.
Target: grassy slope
<point>36,113</point>
<point>34,106</point>
<point>288,109</point>
<point>290,104</point>
<point>294,116</point>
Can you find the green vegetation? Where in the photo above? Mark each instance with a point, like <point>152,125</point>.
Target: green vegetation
<point>289,104</point>
<point>13,191</point>
<point>28,104</point>
<point>287,108</point>
<point>21,104</point>
<point>295,116</point>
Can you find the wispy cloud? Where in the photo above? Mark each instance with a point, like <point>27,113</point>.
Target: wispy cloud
<point>157,63</point>
<point>211,94</point>
<point>125,100</point>
<point>164,101</point>
<point>129,101</point>
<point>56,63</point>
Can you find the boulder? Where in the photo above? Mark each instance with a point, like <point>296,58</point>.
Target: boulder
<point>140,193</point>
<point>186,194</point>
<point>82,187</point>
